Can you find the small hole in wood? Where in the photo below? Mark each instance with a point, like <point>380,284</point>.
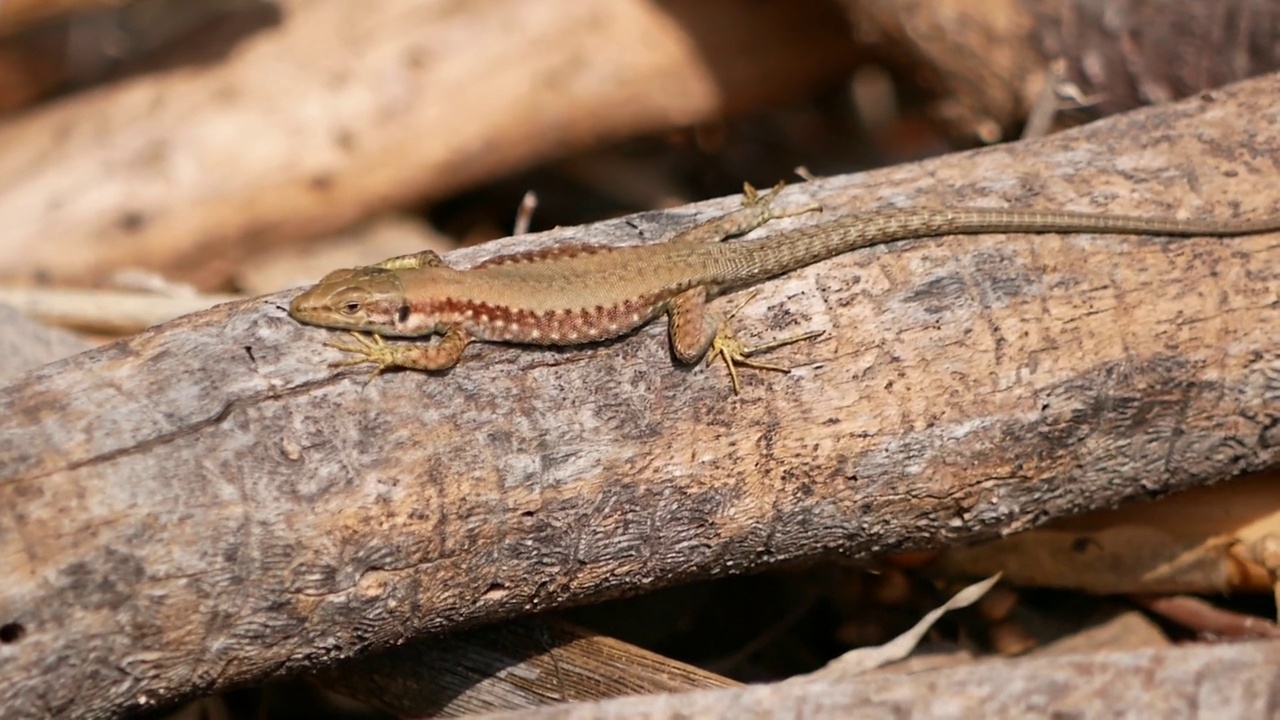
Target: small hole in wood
<point>11,632</point>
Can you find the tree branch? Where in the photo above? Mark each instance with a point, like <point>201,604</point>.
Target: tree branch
<point>208,503</point>
<point>1239,680</point>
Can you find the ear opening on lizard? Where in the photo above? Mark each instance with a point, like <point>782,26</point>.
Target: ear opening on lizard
<point>402,314</point>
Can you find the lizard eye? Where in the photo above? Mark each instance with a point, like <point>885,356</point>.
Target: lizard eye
<point>351,308</point>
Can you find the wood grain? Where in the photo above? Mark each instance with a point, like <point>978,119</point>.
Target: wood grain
<point>208,503</point>
<point>516,664</point>
<point>1235,681</point>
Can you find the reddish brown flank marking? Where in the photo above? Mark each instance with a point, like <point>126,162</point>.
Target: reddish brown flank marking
<point>452,309</point>
<point>568,325</point>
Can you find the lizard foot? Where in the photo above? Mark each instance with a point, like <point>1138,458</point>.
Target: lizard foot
<point>728,348</point>
<point>751,197</point>
<point>368,349</point>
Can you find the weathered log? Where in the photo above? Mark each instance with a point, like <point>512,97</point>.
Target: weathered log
<point>1225,681</point>
<point>517,664</point>
<point>209,503</point>
<point>992,62</point>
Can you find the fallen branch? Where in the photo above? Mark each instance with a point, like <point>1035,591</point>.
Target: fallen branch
<point>991,64</point>
<point>1230,681</point>
<point>209,503</point>
<point>517,664</point>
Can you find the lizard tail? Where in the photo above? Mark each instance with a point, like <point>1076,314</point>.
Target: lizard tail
<point>756,260</point>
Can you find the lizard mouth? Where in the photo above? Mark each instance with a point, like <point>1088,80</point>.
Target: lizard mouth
<point>303,308</point>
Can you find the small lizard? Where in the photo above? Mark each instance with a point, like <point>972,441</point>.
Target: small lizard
<point>573,294</point>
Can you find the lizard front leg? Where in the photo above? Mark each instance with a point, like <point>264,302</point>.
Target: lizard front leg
<point>441,355</point>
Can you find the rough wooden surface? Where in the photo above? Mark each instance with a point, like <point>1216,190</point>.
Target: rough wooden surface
<point>517,664</point>
<point>208,503</point>
<point>347,108</point>
<point>989,60</point>
<point>1124,54</point>
<point>1218,681</point>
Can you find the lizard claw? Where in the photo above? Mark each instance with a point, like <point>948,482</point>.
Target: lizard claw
<point>752,197</point>
<point>368,349</point>
<point>735,354</point>
<point>731,350</point>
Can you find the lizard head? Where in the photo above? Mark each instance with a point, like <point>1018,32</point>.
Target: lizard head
<point>369,299</point>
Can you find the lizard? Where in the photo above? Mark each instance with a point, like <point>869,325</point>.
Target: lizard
<point>583,293</point>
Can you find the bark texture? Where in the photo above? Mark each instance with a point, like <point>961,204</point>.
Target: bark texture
<point>990,60</point>
<point>208,503</point>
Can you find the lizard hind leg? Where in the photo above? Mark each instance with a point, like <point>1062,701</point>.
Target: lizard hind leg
<point>734,353</point>
<point>694,336</point>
